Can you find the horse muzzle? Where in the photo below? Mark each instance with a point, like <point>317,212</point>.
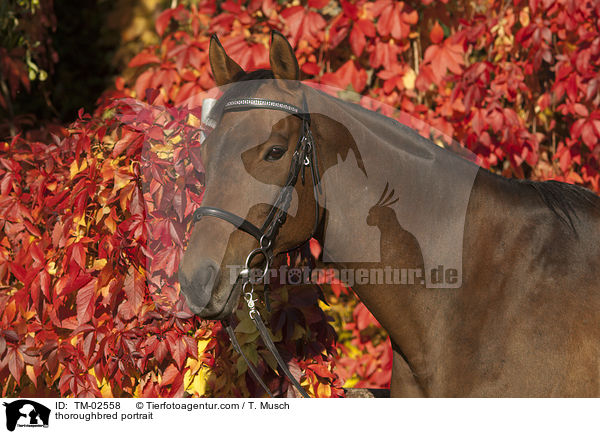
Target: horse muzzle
<point>198,286</point>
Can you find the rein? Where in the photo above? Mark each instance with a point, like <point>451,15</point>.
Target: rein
<point>305,155</point>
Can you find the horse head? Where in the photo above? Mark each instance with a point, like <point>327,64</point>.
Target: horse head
<point>251,157</point>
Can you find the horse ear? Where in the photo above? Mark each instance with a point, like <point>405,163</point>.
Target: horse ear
<point>283,60</point>
<point>223,67</point>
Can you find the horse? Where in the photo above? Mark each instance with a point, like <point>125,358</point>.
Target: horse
<point>503,297</point>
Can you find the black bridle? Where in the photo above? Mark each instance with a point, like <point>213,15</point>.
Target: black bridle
<point>305,155</point>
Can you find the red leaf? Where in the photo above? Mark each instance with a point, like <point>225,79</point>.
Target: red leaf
<point>143,58</point>
<point>167,260</point>
<point>303,24</point>
<point>348,74</point>
<point>36,253</point>
<point>151,95</point>
<point>178,350</point>
<point>357,40</point>
<point>392,21</point>
<point>155,132</point>
<point>315,248</point>
<point>144,81</point>
<point>192,346</point>
<point>78,255</point>
<point>317,4</point>
<point>384,54</point>
<point>311,68</point>
<point>45,283</point>
<point>163,21</point>
<point>363,317</point>
<point>338,288</point>
<point>367,27</point>
<point>437,33</point>
<point>588,135</point>
<point>134,287</point>
<point>322,371</point>
<point>478,121</point>
<point>15,363</point>
<point>448,56</point>
<point>581,110</point>
<point>85,302</point>
<point>161,350</point>
<point>170,375</point>
<point>32,229</point>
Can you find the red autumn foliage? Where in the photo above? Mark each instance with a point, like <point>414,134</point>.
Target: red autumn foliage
<point>84,313</point>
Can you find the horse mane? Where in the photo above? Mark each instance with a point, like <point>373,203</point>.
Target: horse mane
<point>257,74</point>
<point>562,198</point>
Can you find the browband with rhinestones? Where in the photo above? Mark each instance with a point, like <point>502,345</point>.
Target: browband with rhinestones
<point>261,103</point>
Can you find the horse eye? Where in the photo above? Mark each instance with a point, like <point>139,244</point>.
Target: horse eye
<point>275,153</point>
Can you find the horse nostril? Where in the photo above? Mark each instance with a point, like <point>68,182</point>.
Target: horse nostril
<point>203,278</point>
<point>206,274</point>
<point>198,284</point>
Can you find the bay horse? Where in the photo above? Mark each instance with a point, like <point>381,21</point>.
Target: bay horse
<point>504,300</point>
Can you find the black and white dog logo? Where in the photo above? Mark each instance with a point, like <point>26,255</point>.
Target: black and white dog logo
<point>26,413</point>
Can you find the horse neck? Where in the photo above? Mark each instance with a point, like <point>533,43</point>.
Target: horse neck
<point>364,154</point>
<point>394,241</point>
